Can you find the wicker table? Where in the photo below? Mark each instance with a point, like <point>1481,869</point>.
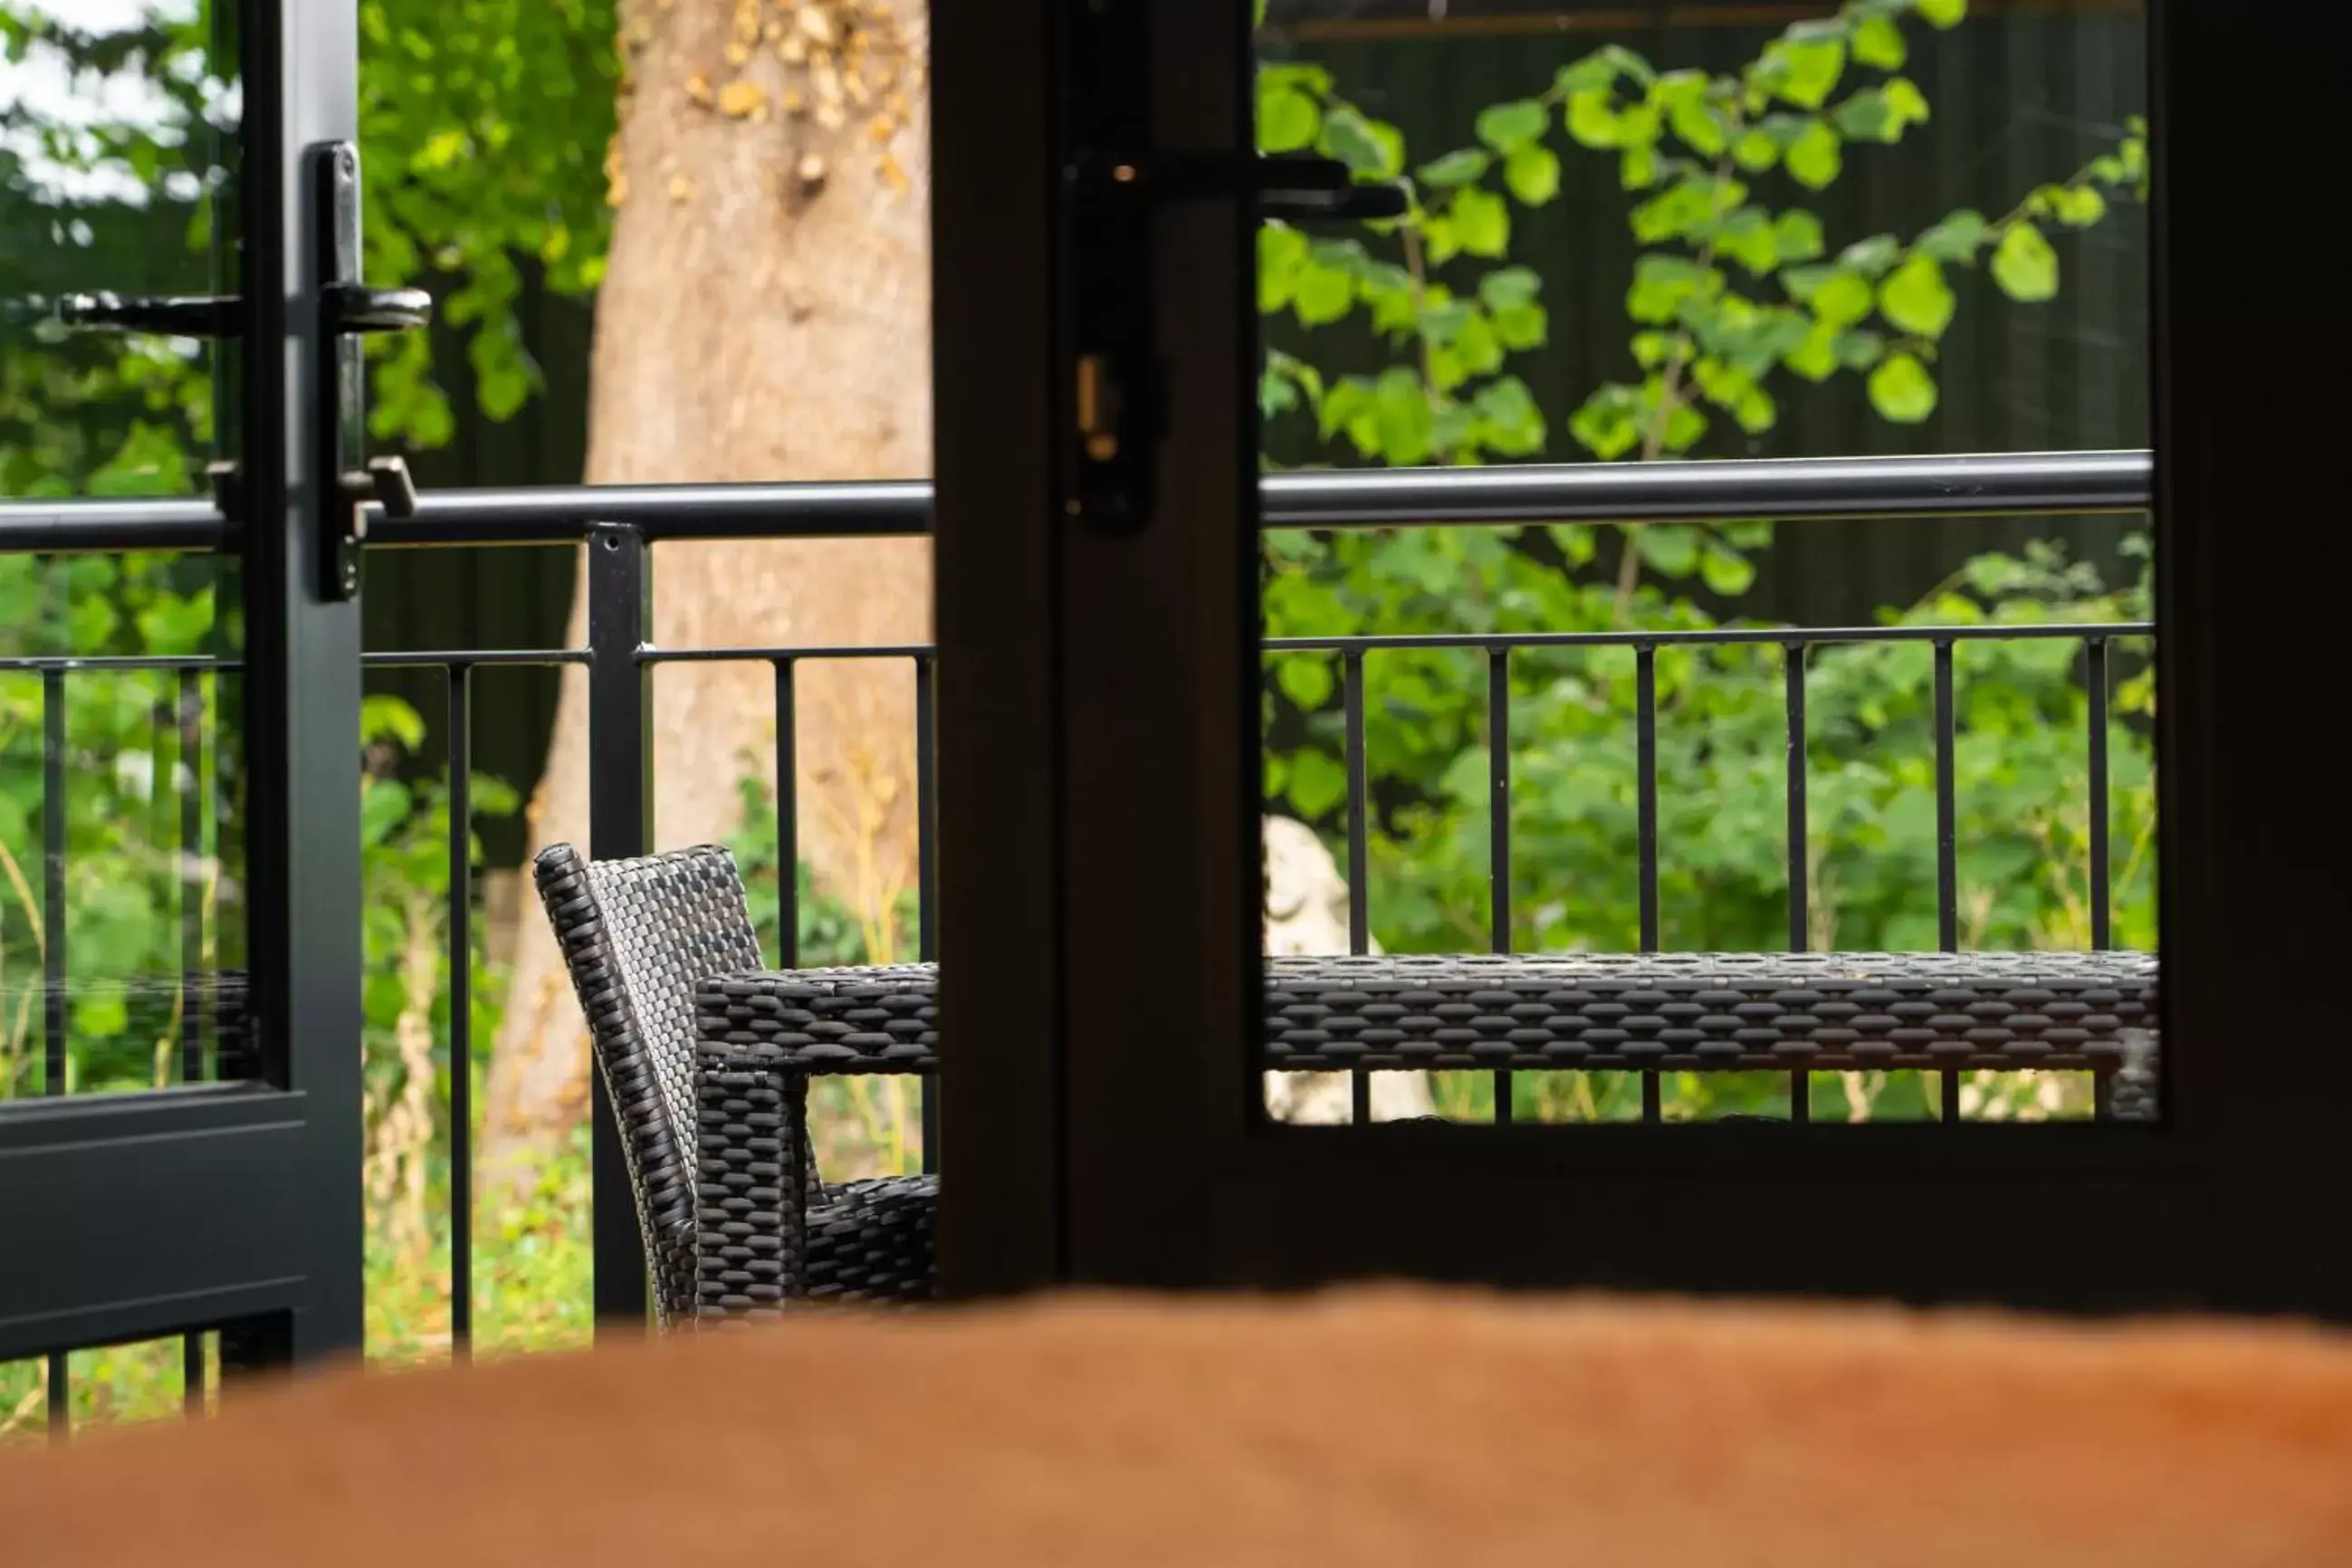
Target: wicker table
<point>760,1037</point>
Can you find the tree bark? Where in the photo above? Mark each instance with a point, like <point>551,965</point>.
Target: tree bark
<point>764,316</point>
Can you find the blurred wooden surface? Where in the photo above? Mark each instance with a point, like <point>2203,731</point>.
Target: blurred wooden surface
<point>1383,1427</point>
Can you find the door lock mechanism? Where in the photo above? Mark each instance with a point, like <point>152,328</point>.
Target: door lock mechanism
<point>384,483</point>
<point>348,308</point>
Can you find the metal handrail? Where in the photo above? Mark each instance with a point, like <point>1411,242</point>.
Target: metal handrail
<point>1782,489</point>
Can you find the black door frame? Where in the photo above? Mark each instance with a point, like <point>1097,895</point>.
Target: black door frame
<point>238,1206</point>
<point>1099,782</point>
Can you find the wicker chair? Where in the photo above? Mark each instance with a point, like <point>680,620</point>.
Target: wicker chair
<point>639,936</point>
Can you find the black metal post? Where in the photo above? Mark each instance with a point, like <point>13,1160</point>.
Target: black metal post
<point>1800,1093</point>
<point>56,808</point>
<point>1947,846</point>
<point>1360,918</point>
<point>788,819</point>
<point>620,818</point>
<point>194,792</point>
<point>927,878</point>
<point>1645,767</point>
<point>1499,829</point>
<point>461,1006</point>
<point>2095,682</point>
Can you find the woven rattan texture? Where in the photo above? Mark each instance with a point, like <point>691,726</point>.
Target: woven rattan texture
<point>756,1247</point>
<point>593,927</point>
<point>637,935</point>
<point>1660,1011</point>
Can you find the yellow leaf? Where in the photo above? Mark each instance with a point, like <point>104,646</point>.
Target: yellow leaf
<point>697,88</point>
<point>740,100</point>
<point>681,188</point>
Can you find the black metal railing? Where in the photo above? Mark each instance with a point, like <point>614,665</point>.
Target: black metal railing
<point>1796,645</point>
<point>619,526</point>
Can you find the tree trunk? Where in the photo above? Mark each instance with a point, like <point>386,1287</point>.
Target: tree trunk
<point>764,316</point>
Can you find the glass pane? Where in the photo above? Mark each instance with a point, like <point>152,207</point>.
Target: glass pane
<point>120,912</point>
<point>148,1380</point>
<point>1840,820</point>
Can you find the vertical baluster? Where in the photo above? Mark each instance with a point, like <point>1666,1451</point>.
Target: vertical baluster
<point>1498,829</point>
<point>1360,919</point>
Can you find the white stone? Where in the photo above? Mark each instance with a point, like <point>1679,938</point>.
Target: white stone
<point>1306,916</point>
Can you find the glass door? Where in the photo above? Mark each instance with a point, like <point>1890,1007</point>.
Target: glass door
<point>183,491</point>
<point>1618,639</point>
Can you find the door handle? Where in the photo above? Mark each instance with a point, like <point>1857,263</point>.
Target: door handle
<point>350,307</point>
<point>1295,187</point>
<point>171,316</point>
<point>1115,394</point>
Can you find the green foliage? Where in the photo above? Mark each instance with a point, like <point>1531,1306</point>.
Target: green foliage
<point>830,936</point>
<point>1735,283</point>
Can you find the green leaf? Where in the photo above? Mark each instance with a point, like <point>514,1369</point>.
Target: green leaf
<point>1678,210</point>
<point>1404,419</point>
<point>1506,286</point>
<point>1809,70</point>
<point>1746,238</point>
<point>1516,424</point>
<point>1726,572</point>
<point>1956,238</point>
<point>1672,549</point>
<point>1287,119</point>
<point>1878,41</point>
<point>1943,13</point>
<point>1756,411</point>
<point>1482,222</point>
<point>1521,327</point>
<point>1842,300</point>
<point>1902,390</point>
<point>1906,103</point>
<point>1915,298</point>
<point>1371,148</point>
<point>386,718</point>
<point>1281,256</point>
<point>1306,679</point>
<point>1608,424</point>
<point>1591,118</point>
<point>1457,168</point>
<point>1696,122</point>
<point>2024,264</point>
<point>1814,157</point>
<point>1318,783</point>
<point>1797,235</point>
<point>1813,359</point>
<point>2078,207</point>
<point>384,805</point>
<point>1872,256</point>
<point>1859,351</point>
<point>1756,152</point>
<point>1685,426</point>
<point>1661,283</point>
<point>1654,349</point>
<point>1533,174</point>
<point>1506,127</point>
<point>1322,295</point>
<point>1594,72</point>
